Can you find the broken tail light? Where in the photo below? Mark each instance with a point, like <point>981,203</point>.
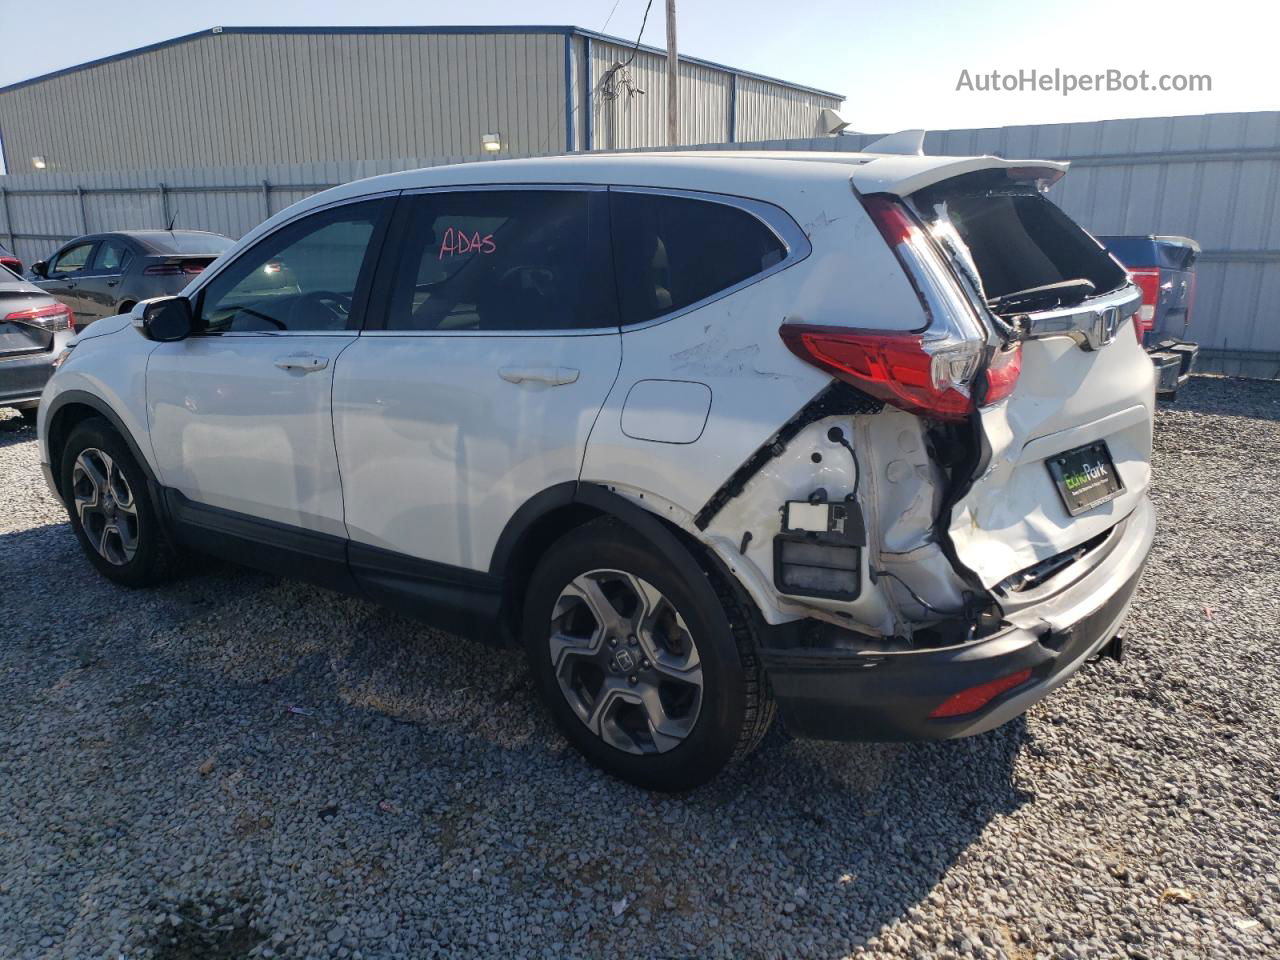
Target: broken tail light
<point>1147,280</point>
<point>895,367</point>
<point>54,317</point>
<point>931,374</point>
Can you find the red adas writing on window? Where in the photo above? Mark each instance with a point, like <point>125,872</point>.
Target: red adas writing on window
<point>456,241</point>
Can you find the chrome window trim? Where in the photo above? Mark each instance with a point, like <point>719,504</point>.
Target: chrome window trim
<point>509,334</point>
<point>795,243</point>
<point>236,334</point>
<point>496,187</point>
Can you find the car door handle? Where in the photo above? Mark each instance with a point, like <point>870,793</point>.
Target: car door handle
<point>112,283</point>
<point>552,376</point>
<point>305,362</point>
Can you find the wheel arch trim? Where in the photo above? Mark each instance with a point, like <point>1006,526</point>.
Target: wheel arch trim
<point>83,398</point>
<point>599,500</point>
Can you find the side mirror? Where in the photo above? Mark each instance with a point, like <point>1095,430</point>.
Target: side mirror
<point>165,319</point>
<point>41,268</point>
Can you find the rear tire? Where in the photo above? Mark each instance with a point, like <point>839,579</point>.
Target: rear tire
<point>110,507</point>
<point>651,675</point>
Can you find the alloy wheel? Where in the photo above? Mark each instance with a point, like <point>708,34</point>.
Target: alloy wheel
<point>626,661</point>
<point>105,506</point>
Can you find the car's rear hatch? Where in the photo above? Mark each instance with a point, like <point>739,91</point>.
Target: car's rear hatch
<point>1067,455</point>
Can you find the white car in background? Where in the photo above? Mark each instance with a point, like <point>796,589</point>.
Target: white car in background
<point>861,439</point>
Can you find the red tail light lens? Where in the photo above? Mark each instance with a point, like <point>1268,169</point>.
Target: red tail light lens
<point>13,263</point>
<point>931,374</point>
<point>894,367</point>
<point>902,369</point>
<point>197,267</point>
<point>975,698</point>
<point>1148,281</point>
<point>163,270</point>
<point>54,317</point>
<point>891,219</point>
<point>1002,373</point>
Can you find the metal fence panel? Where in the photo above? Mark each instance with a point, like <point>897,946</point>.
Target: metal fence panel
<point>1215,178</point>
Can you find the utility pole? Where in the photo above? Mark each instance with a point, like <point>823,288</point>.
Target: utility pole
<point>673,78</point>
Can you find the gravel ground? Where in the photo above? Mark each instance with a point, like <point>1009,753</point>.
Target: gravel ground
<point>236,766</point>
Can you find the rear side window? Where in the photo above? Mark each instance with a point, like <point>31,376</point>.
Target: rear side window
<point>1020,240</point>
<point>502,260</point>
<point>670,252</point>
<point>112,256</point>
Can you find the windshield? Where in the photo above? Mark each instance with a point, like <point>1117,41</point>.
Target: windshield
<point>1017,241</point>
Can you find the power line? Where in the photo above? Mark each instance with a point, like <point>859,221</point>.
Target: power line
<point>610,16</point>
<point>640,35</point>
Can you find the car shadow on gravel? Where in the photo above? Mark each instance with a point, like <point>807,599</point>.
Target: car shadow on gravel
<point>447,752</point>
<point>13,429</point>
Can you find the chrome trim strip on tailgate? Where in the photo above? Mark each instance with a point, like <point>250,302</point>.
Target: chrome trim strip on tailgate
<point>1092,324</point>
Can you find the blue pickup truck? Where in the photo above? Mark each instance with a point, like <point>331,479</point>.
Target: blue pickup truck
<point>1163,267</point>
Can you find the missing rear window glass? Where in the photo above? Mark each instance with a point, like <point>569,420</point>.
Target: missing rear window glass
<point>1017,242</point>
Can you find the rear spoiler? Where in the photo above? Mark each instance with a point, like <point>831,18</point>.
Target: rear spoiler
<point>896,164</point>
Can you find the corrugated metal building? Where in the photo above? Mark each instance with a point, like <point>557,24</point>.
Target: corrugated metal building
<point>245,95</point>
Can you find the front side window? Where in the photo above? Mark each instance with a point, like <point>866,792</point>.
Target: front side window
<point>501,260</point>
<point>112,257</point>
<point>72,259</point>
<point>303,277</point>
<point>670,251</point>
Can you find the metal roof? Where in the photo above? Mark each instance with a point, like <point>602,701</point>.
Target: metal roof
<point>567,31</point>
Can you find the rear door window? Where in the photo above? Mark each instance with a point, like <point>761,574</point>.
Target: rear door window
<point>112,257</point>
<point>673,251</point>
<point>497,260</point>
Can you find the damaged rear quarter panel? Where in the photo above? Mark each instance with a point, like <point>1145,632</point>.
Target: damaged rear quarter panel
<point>732,346</point>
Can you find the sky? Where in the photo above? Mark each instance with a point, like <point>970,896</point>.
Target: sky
<point>898,63</point>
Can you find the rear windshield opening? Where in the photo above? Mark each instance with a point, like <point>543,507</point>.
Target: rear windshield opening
<point>1018,240</point>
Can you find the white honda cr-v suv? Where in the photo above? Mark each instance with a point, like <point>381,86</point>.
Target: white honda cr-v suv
<point>860,439</point>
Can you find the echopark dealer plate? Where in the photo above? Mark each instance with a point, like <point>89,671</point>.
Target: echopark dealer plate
<point>1086,477</point>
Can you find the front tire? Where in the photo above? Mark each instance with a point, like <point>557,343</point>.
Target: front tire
<point>110,507</point>
<point>651,675</point>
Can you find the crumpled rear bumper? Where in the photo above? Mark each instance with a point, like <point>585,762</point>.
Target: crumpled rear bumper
<point>850,694</point>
